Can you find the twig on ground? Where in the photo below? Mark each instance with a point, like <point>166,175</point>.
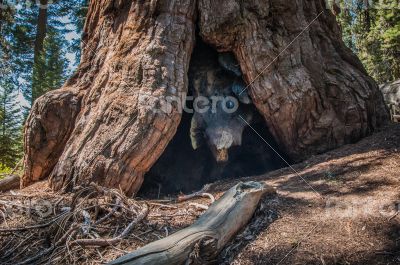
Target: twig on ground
<point>394,216</point>
<point>15,229</point>
<point>4,217</point>
<point>199,206</point>
<point>163,205</point>
<point>201,193</point>
<point>115,240</point>
<point>86,218</point>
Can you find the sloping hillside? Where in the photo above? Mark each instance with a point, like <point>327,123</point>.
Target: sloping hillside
<point>341,208</point>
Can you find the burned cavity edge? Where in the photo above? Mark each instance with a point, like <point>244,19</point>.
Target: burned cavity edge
<point>217,79</point>
<point>214,143</point>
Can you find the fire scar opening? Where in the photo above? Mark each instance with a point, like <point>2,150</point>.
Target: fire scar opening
<point>216,138</point>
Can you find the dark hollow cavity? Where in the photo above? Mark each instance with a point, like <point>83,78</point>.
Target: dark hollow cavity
<point>183,169</point>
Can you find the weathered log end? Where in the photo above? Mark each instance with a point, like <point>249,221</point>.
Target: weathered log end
<point>201,242</point>
<point>10,182</point>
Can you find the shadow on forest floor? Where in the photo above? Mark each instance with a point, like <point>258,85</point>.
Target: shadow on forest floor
<point>340,207</point>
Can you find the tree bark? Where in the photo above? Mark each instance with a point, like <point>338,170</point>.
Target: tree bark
<point>101,126</point>
<point>391,95</point>
<point>134,53</point>
<point>3,10</point>
<point>201,242</point>
<point>316,95</point>
<point>41,30</point>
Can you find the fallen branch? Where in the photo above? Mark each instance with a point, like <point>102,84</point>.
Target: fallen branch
<point>14,229</point>
<point>198,206</point>
<point>111,213</point>
<point>201,242</point>
<point>161,206</point>
<point>115,240</point>
<point>394,216</point>
<point>46,251</point>
<point>10,182</point>
<point>89,213</point>
<point>201,193</point>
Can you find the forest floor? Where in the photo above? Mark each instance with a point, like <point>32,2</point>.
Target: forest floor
<point>341,207</point>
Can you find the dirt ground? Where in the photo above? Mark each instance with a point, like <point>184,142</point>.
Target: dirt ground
<point>341,207</point>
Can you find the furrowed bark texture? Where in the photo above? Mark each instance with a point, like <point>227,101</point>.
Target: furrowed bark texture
<point>315,95</point>
<point>201,242</point>
<point>391,95</point>
<point>101,125</point>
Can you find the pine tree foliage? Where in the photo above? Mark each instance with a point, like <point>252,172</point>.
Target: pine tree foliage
<point>51,66</point>
<point>10,128</point>
<point>20,71</point>
<point>43,77</point>
<point>372,30</point>
<point>55,60</point>
<point>32,75</point>
<point>6,23</point>
<point>78,17</point>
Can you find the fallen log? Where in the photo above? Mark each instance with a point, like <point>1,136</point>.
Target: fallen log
<point>201,242</point>
<point>10,182</point>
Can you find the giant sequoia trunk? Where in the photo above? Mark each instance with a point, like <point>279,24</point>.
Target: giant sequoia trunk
<point>101,126</point>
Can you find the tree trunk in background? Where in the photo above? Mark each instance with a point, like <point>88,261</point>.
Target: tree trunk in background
<point>2,11</point>
<point>101,125</point>
<point>41,27</point>
<point>41,30</point>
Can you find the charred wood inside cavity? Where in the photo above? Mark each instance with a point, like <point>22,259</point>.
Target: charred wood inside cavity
<point>192,159</point>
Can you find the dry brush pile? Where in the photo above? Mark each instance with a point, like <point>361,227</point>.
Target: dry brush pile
<point>91,225</point>
<point>95,225</point>
<point>66,228</point>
